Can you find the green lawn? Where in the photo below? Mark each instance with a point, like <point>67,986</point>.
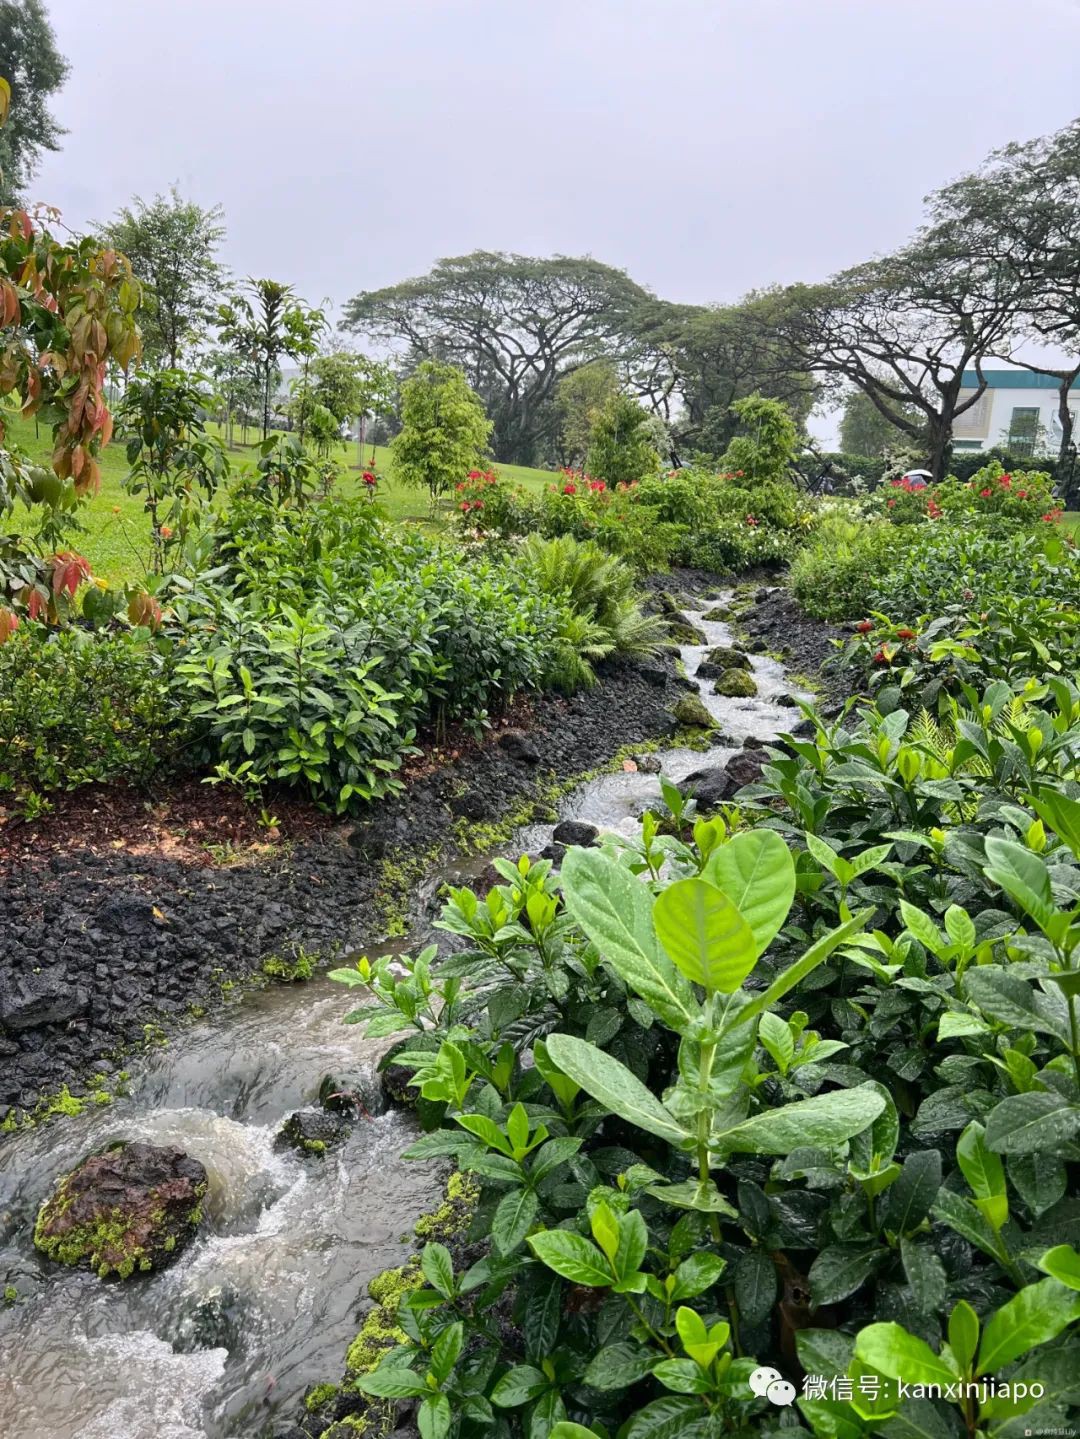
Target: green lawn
<point>117,538</point>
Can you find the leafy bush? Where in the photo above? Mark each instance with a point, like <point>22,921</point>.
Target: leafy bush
<point>993,500</point>
<point>834,576</point>
<point>620,442</point>
<point>601,610</point>
<point>693,1083</point>
<point>77,707</point>
<point>319,642</point>
<point>769,441</point>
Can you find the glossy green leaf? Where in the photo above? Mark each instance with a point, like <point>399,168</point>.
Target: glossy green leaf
<point>614,908</point>
<point>613,1085</point>
<point>824,1120</point>
<point>1034,1316</point>
<point>704,934</point>
<point>757,873</point>
<point>892,1351</point>
<point>1026,1123</point>
<point>572,1256</point>
<point>1063,1264</point>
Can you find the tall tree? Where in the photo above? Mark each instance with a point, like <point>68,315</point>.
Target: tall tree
<point>265,322</point>
<point>903,329</point>
<point>513,324</point>
<point>1020,212</point>
<point>35,70</point>
<point>172,244</point>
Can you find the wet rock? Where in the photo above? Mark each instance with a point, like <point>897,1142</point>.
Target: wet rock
<point>690,713</point>
<point>727,657</point>
<point>352,1095</point>
<point>683,632</point>
<point>575,831</point>
<point>745,767</point>
<point>653,675</point>
<point>555,852</point>
<point>753,742</point>
<point>788,702</point>
<point>805,729</point>
<point>736,684</point>
<point>128,1210</point>
<point>706,670</point>
<point>758,647</point>
<point>717,615</point>
<point>648,763</point>
<point>708,786</point>
<point>474,805</point>
<point>312,1131</point>
<point>127,914</point>
<point>44,996</point>
<point>517,744</point>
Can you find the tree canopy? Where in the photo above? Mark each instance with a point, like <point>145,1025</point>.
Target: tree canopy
<point>172,244</point>
<point>513,324</point>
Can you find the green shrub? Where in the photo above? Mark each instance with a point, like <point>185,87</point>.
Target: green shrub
<point>620,448</point>
<point>77,707</point>
<point>314,649</point>
<point>835,574</point>
<point>601,610</point>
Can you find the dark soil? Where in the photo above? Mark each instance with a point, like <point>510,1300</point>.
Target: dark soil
<point>120,911</point>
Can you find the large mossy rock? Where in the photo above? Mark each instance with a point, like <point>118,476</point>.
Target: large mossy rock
<point>690,713</point>
<point>130,1209</point>
<point>736,684</point>
<point>727,657</point>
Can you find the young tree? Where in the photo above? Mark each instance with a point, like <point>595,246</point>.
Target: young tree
<point>620,451</point>
<point>265,321</point>
<point>350,387</point>
<point>580,396</point>
<point>162,418</point>
<point>34,70</point>
<point>514,324</point>
<point>444,431</point>
<point>237,387</point>
<point>66,311</point>
<point>766,444</point>
<point>172,244</point>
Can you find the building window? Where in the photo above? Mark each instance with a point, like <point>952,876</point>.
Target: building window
<point>1024,430</point>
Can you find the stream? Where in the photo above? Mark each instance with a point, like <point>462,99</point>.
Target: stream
<point>264,1301</point>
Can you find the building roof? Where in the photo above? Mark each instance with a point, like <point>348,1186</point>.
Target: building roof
<point>1012,380</point>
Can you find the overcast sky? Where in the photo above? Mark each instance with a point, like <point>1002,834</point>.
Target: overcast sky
<point>706,146</point>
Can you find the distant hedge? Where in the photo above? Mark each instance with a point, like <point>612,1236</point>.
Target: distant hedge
<point>963,464</point>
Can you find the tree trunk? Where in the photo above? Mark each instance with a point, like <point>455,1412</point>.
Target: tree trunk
<point>939,434</point>
<point>1066,419</point>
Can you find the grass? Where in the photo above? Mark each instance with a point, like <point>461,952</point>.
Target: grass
<point>116,538</point>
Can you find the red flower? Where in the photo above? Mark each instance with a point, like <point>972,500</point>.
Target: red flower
<point>738,474</point>
<point>478,504</point>
<point>896,483</point>
<point>569,489</point>
<point>905,634</point>
<point>464,507</point>
<point>750,520</point>
<point>865,626</point>
<point>459,486</point>
<point>474,474</point>
<point>166,532</point>
<point>1006,481</point>
<point>985,494</point>
<point>890,503</point>
<point>881,658</point>
<point>1021,494</point>
<point>371,481</point>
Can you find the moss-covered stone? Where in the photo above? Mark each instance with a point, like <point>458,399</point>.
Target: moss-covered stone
<point>380,1330</point>
<point>319,1395</point>
<point>289,971</point>
<point>690,713</point>
<point>736,684</point>
<point>451,1219</point>
<point>717,615</point>
<point>130,1209</point>
<point>727,657</point>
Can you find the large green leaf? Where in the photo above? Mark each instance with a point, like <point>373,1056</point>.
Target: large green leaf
<point>1063,1264</point>
<point>909,1200</point>
<point>614,908</point>
<point>1013,1001</point>
<point>892,1351</point>
<point>572,1256</point>
<point>1034,1316</point>
<point>705,935</point>
<point>757,873</point>
<point>795,973</point>
<point>1024,1123</point>
<point>840,1269</point>
<point>614,1086</point>
<point>824,1120</point>
<point>1061,814</point>
<point>513,1218</point>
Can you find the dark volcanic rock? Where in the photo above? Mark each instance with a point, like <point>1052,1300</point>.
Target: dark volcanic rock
<point>312,1130</point>
<point>653,675</point>
<point>519,746</point>
<point>44,996</point>
<point>714,786</point>
<point>575,831</point>
<point>128,1210</point>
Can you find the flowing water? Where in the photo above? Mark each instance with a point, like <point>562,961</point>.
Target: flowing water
<point>264,1300</point>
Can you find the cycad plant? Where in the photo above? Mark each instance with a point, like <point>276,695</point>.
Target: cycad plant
<point>602,613</point>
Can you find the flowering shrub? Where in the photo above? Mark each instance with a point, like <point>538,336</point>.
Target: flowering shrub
<point>487,505</point>
<point>994,499</point>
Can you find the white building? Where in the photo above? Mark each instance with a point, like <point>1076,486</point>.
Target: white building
<point>1018,411</point>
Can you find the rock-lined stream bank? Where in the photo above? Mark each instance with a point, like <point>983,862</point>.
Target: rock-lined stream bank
<point>264,1300</point>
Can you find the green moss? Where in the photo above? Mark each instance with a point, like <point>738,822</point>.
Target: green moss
<point>451,1219</point>
<point>689,710</point>
<point>399,877</point>
<point>379,1331</point>
<point>11,1294</point>
<point>315,1146</point>
<point>320,1395</point>
<point>352,1425</point>
<point>736,684</point>
<point>289,971</point>
<point>728,658</point>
